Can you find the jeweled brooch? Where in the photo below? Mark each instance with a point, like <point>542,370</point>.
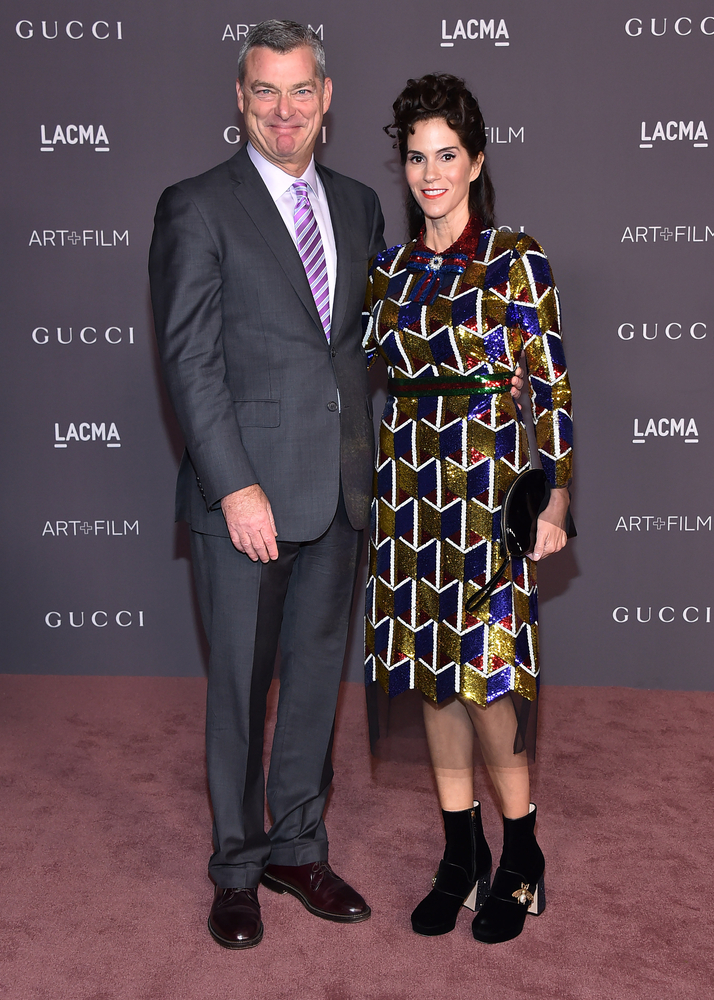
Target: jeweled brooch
<point>523,895</point>
<point>435,263</point>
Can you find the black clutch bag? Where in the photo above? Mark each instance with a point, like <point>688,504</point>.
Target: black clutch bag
<point>526,499</point>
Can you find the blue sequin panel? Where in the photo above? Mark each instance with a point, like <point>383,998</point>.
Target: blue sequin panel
<point>495,345</point>
<point>478,479</point>
<point>399,678</point>
<point>464,307</point>
<point>403,598</point>
<point>555,346</point>
<point>565,429</point>
<point>533,605</point>
<point>522,649</point>
<point>498,684</point>
<point>445,681</point>
<point>540,269</point>
<point>497,272</point>
<point>472,645</point>
<point>501,604</point>
<point>506,440</point>
<point>426,560</point>
<point>409,315</point>
<point>549,467</point>
<point>475,562</point>
<point>449,601</point>
<point>384,557</point>
<point>441,347</point>
<point>479,406</point>
<point>424,642</point>
<point>404,519</point>
<point>451,439</point>
<point>381,638</point>
<point>426,408</point>
<point>403,441</point>
<point>543,393</point>
<point>396,285</point>
<point>451,520</point>
<point>524,316</point>
<point>426,479</point>
<point>385,479</point>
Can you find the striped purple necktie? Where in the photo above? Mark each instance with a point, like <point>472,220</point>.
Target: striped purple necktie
<point>312,254</point>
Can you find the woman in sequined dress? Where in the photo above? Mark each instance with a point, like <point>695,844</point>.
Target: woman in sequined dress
<point>451,312</point>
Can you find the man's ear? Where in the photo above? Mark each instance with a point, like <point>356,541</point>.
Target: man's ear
<point>326,94</point>
<point>239,96</point>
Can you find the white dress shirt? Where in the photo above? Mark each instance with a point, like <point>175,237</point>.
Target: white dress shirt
<point>279,185</point>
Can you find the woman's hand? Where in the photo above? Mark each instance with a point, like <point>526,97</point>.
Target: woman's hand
<point>517,384</point>
<point>551,536</point>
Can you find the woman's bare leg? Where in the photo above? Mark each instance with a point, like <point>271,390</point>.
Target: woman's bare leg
<point>496,730</point>
<point>450,735</point>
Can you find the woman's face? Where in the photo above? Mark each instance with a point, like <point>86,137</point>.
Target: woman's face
<point>439,170</point>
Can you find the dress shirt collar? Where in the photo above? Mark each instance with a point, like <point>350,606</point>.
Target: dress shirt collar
<point>277,181</point>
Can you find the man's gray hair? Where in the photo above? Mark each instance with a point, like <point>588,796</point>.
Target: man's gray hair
<point>283,37</point>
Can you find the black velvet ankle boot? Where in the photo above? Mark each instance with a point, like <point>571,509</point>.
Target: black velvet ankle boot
<point>517,885</point>
<point>463,876</point>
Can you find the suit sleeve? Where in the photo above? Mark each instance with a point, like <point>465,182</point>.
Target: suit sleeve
<point>369,341</point>
<point>376,242</point>
<point>534,308</point>
<point>376,245</point>
<point>186,287</point>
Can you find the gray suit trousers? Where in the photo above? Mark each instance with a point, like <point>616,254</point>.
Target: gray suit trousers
<point>304,600</point>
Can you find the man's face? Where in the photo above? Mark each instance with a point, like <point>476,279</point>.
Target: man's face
<point>283,101</point>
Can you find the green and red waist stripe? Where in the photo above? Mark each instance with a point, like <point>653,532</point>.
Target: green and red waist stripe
<point>450,385</point>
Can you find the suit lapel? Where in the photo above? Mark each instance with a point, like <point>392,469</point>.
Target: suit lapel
<point>255,198</point>
<point>342,246</point>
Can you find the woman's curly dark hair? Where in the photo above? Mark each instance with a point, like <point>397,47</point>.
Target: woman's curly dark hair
<point>441,95</point>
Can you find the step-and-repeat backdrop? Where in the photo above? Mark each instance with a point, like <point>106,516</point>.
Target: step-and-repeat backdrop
<point>601,127</point>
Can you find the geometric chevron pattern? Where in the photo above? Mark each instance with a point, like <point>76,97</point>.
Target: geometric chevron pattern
<point>445,462</point>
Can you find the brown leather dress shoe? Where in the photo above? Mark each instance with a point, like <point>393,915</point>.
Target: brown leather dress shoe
<point>234,920</point>
<point>319,890</point>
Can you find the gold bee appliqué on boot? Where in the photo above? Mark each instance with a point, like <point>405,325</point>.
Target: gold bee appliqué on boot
<point>523,895</point>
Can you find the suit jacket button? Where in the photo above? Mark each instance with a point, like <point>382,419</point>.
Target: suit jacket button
<point>333,352</point>
<point>332,405</point>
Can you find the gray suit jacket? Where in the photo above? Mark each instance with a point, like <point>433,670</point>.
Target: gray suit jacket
<point>253,380</point>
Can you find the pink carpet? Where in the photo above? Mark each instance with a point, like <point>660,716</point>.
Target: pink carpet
<point>97,772</point>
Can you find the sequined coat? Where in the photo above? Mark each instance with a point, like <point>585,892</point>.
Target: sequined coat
<point>445,462</point>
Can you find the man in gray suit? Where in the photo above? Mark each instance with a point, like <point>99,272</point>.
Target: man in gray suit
<point>258,270</point>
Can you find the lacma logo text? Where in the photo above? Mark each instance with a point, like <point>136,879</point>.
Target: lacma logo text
<point>674,132</point>
<point>86,431</point>
<point>474,29</point>
<point>666,427</point>
<point>73,135</point>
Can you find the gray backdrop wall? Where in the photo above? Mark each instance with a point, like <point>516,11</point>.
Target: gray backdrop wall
<point>600,117</point>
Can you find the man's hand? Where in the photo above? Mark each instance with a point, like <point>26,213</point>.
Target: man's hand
<point>250,523</point>
<point>517,384</point>
<point>551,536</point>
